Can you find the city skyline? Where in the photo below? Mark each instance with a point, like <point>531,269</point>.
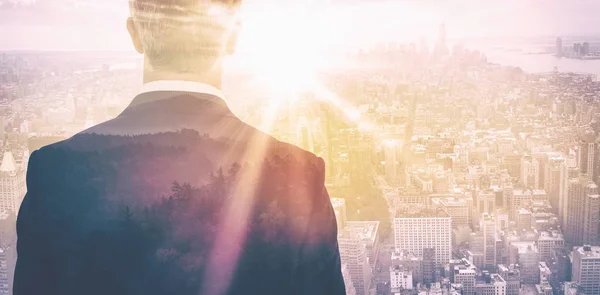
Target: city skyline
<point>93,25</point>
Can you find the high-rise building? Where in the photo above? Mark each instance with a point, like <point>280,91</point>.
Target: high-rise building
<point>368,232</point>
<point>544,287</point>
<point>548,241</point>
<point>339,208</point>
<point>348,280</point>
<point>490,284</point>
<point>512,277</point>
<point>530,172</point>
<point>559,46</point>
<point>456,208</point>
<point>586,269</point>
<point>486,202</point>
<point>587,152</point>
<point>425,228</point>
<point>12,183</point>
<point>585,48</point>
<point>528,259</point>
<point>400,278</point>
<point>577,48</point>
<point>560,267</point>
<point>555,180</point>
<point>353,254</point>
<point>582,212</point>
<point>517,198</point>
<point>490,236</point>
<point>512,163</point>
<point>411,262</point>
<point>4,283</point>
<point>429,269</point>
<point>392,153</point>
<point>465,274</point>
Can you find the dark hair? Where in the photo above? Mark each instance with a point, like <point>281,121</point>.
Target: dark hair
<point>184,35</point>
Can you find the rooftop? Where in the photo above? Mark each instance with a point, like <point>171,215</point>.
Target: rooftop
<point>588,251</point>
<point>451,202</point>
<point>551,235</point>
<point>421,213</point>
<point>366,230</point>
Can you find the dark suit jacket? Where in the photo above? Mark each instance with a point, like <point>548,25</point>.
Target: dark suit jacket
<point>176,196</point>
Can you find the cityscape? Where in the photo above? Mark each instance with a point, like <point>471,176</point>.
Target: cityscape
<point>448,173</point>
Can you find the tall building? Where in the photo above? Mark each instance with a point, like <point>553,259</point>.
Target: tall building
<point>457,209</point>
<point>512,277</point>
<point>490,284</point>
<point>486,202</point>
<point>368,232</point>
<point>348,280</point>
<point>530,172</point>
<point>528,259</point>
<point>517,198</point>
<point>587,153</point>
<point>582,212</point>
<point>393,160</point>
<point>547,242</point>
<point>400,278</point>
<point>426,228</point>
<point>555,180</point>
<point>429,269</point>
<point>586,269</point>
<point>411,262</point>
<point>585,48</point>
<point>465,274</point>
<point>12,183</point>
<point>559,46</point>
<point>490,236</point>
<point>561,267</point>
<point>339,208</point>
<point>353,254</point>
<point>4,283</point>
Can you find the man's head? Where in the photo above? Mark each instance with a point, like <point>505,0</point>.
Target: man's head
<point>184,36</point>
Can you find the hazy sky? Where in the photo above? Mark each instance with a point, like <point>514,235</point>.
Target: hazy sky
<point>99,24</point>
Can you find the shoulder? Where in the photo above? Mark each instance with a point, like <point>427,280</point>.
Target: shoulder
<point>274,148</point>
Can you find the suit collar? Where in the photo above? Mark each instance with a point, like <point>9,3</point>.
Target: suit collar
<point>181,86</point>
<point>177,103</point>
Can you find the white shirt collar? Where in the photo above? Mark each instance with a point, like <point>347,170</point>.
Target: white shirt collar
<point>179,85</point>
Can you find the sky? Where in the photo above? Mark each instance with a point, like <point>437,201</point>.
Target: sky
<point>100,24</point>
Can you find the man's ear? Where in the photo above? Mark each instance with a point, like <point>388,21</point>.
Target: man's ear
<point>135,36</point>
<point>233,38</point>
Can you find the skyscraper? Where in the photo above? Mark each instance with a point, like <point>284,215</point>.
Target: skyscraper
<point>559,47</point>
<point>348,280</point>
<point>548,241</point>
<point>353,254</point>
<point>585,48</point>
<point>554,180</point>
<point>530,172</point>
<point>429,269</point>
<point>425,228</point>
<point>512,277</point>
<point>587,151</point>
<point>582,212</point>
<point>528,258</point>
<point>586,269</point>
<point>12,183</point>
<point>465,274</point>
<point>4,283</point>
<point>488,228</point>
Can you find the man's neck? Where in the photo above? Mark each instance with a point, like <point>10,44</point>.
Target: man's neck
<point>212,78</point>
